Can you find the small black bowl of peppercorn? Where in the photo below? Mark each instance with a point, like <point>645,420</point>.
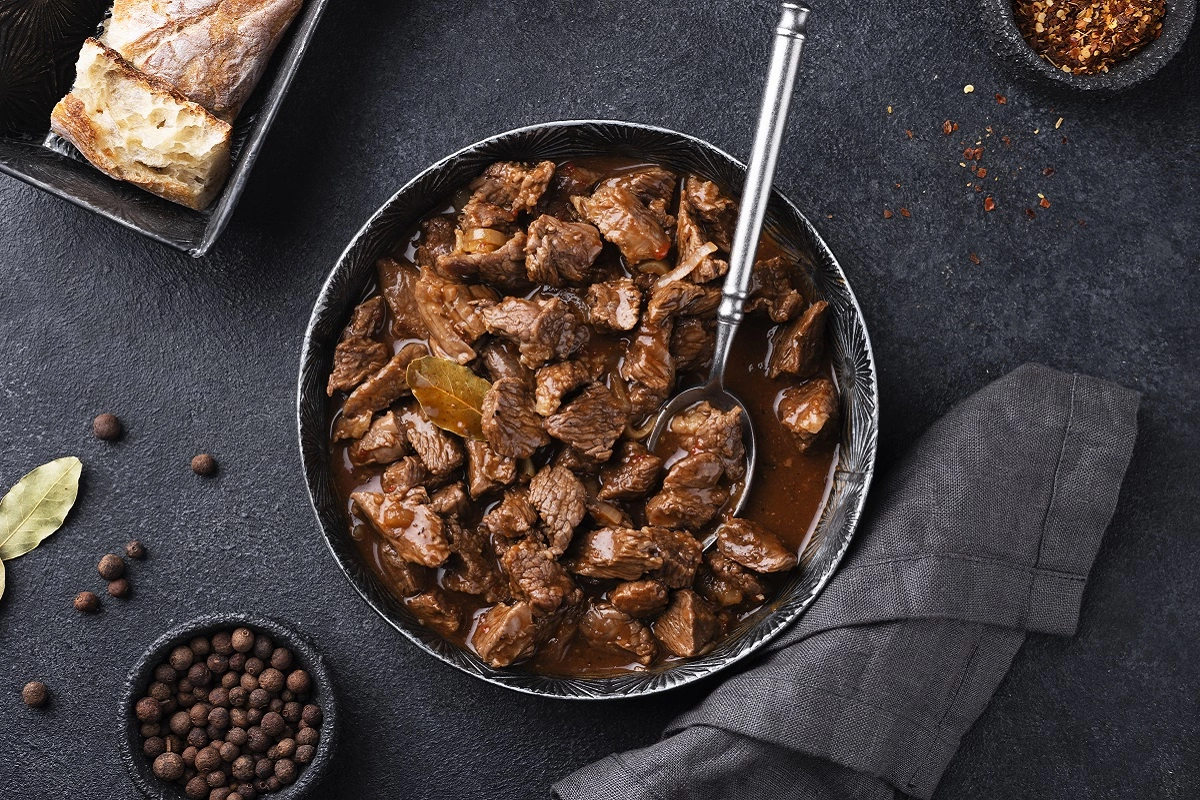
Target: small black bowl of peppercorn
<point>228,707</point>
<point>1091,45</point>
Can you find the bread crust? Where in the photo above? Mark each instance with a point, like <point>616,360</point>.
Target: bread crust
<point>71,120</point>
<point>213,51</point>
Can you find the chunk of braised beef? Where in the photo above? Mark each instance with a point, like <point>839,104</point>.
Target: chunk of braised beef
<point>503,266</point>
<point>435,610</point>
<point>451,500</point>
<point>347,427</point>
<point>559,253</point>
<point>726,583</point>
<point>614,305</point>
<point>653,185</point>
<point>555,381</point>
<point>544,329</point>
<point>681,555</point>
<point>637,230</point>
<point>358,354</point>
<point>408,523</point>
<point>387,385</point>
<point>693,341</point>
<point>681,298</point>
<point>590,423</point>
<point>487,470</point>
<point>687,508</point>
<point>644,598</point>
<point>706,429</point>
<point>510,424</point>
<point>398,284</point>
<point>570,179</point>
<point>753,546</point>
<point>561,502</point>
<point>798,348</point>
<point>806,410</point>
<point>535,575</point>
<point>407,577</point>
<point>407,473</point>
<point>505,634</point>
<point>451,315</point>
<point>609,627</point>
<point>772,292</point>
<point>634,473</point>
<point>471,568</point>
<point>439,451</point>
<point>504,190</point>
<point>696,471</point>
<point>576,460</point>
<point>648,367</point>
<point>512,518</point>
<point>704,217</point>
<point>688,627</point>
<point>623,553</point>
<point>501,359</point>
<point>437,238</point>
<point>608,515</point>
<point>383,443</point>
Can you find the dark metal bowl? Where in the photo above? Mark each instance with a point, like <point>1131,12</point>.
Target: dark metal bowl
<point>142,674</point>
<point>557,141</point>
<point>1012,47</point>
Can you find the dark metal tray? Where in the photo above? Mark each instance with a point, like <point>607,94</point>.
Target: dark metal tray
<point>58,168</point>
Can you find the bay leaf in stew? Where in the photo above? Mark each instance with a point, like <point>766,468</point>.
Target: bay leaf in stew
<point>450,394</point>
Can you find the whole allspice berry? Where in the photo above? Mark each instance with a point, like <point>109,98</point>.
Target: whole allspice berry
<point>87,602</point>
<point>204,465</point>
<point>35,694</point>
<point>107,427</point>
<point>242,640</point>
<point>111,567</point>
<point>148,710</point>
<point>119,588</point>
<point>169,766</point>
<point>299,681</point>
<point>135,549</point>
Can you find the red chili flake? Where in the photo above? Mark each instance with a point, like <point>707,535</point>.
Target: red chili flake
<point>887,214</point>
<point>988,203</point>
<point>1001,99</point>
<point>1082,223</point>
<point>1044,203</point>
<point>954,127</point>
<point>1088,36</point>
<point>947,127</point>
<point>974,258</point>
<point>978,187</point>
<point>1048,171</point>
<point>1007,141</point>
<point>969,153</point>
<point>1064,140</point>
<point>904,212</point>
<point>1029,212</point>
<point>897,186</point>
<point>908,133</point>
<point>981,172</point>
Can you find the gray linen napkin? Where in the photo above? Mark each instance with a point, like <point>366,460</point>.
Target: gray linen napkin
<point>984,532</point>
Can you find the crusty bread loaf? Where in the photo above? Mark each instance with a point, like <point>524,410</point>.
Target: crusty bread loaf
<point>138,129</point>
<point>213,51</point>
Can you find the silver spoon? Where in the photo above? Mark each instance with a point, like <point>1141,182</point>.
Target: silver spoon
<point>785,57</point>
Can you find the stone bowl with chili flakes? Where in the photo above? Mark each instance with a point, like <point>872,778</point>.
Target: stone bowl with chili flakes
<point>1096,45</point>
<point>822,538</point>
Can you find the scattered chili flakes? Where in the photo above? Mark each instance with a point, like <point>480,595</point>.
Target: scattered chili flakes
<point>1029,212</point>
<point>887,214</point>
<point>1001,100</point>
<point>988,203</point>
<point>908,133</point>
<point>974,258</point>
<point>1007,141</point>
<point>947,127</point>
<point>981,172</point>
<point>1044,203</point>
<point>1048,171</point>
<point>1083,37</point>
<point>904,212</point>
<point>1058,124</point>
<point>1064,140</point>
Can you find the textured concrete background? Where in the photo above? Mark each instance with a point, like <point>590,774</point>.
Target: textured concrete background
<point>202,356</point>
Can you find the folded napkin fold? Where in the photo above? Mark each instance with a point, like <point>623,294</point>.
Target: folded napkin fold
<point>984,532</point>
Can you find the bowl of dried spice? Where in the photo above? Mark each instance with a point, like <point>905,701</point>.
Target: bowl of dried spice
<point>1092,45</point>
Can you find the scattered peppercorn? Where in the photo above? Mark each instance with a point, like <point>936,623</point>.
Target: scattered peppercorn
<point>1083,37</point>
<point>205,465</point>
<point>111,567</point>
<point>35,694</point>
<point>235,741</point>
<point>135,549</point>
<point>107,427</point>
<point>988,203</point>
<point>118,588</point>
<point>87,602</point>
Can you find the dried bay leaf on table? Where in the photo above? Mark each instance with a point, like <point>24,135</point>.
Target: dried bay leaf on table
<point>450,394</point>
<point>37,505</point>
<point>1,579</point>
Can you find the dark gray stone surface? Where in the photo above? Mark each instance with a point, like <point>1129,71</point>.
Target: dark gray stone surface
<point>202,355</point>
